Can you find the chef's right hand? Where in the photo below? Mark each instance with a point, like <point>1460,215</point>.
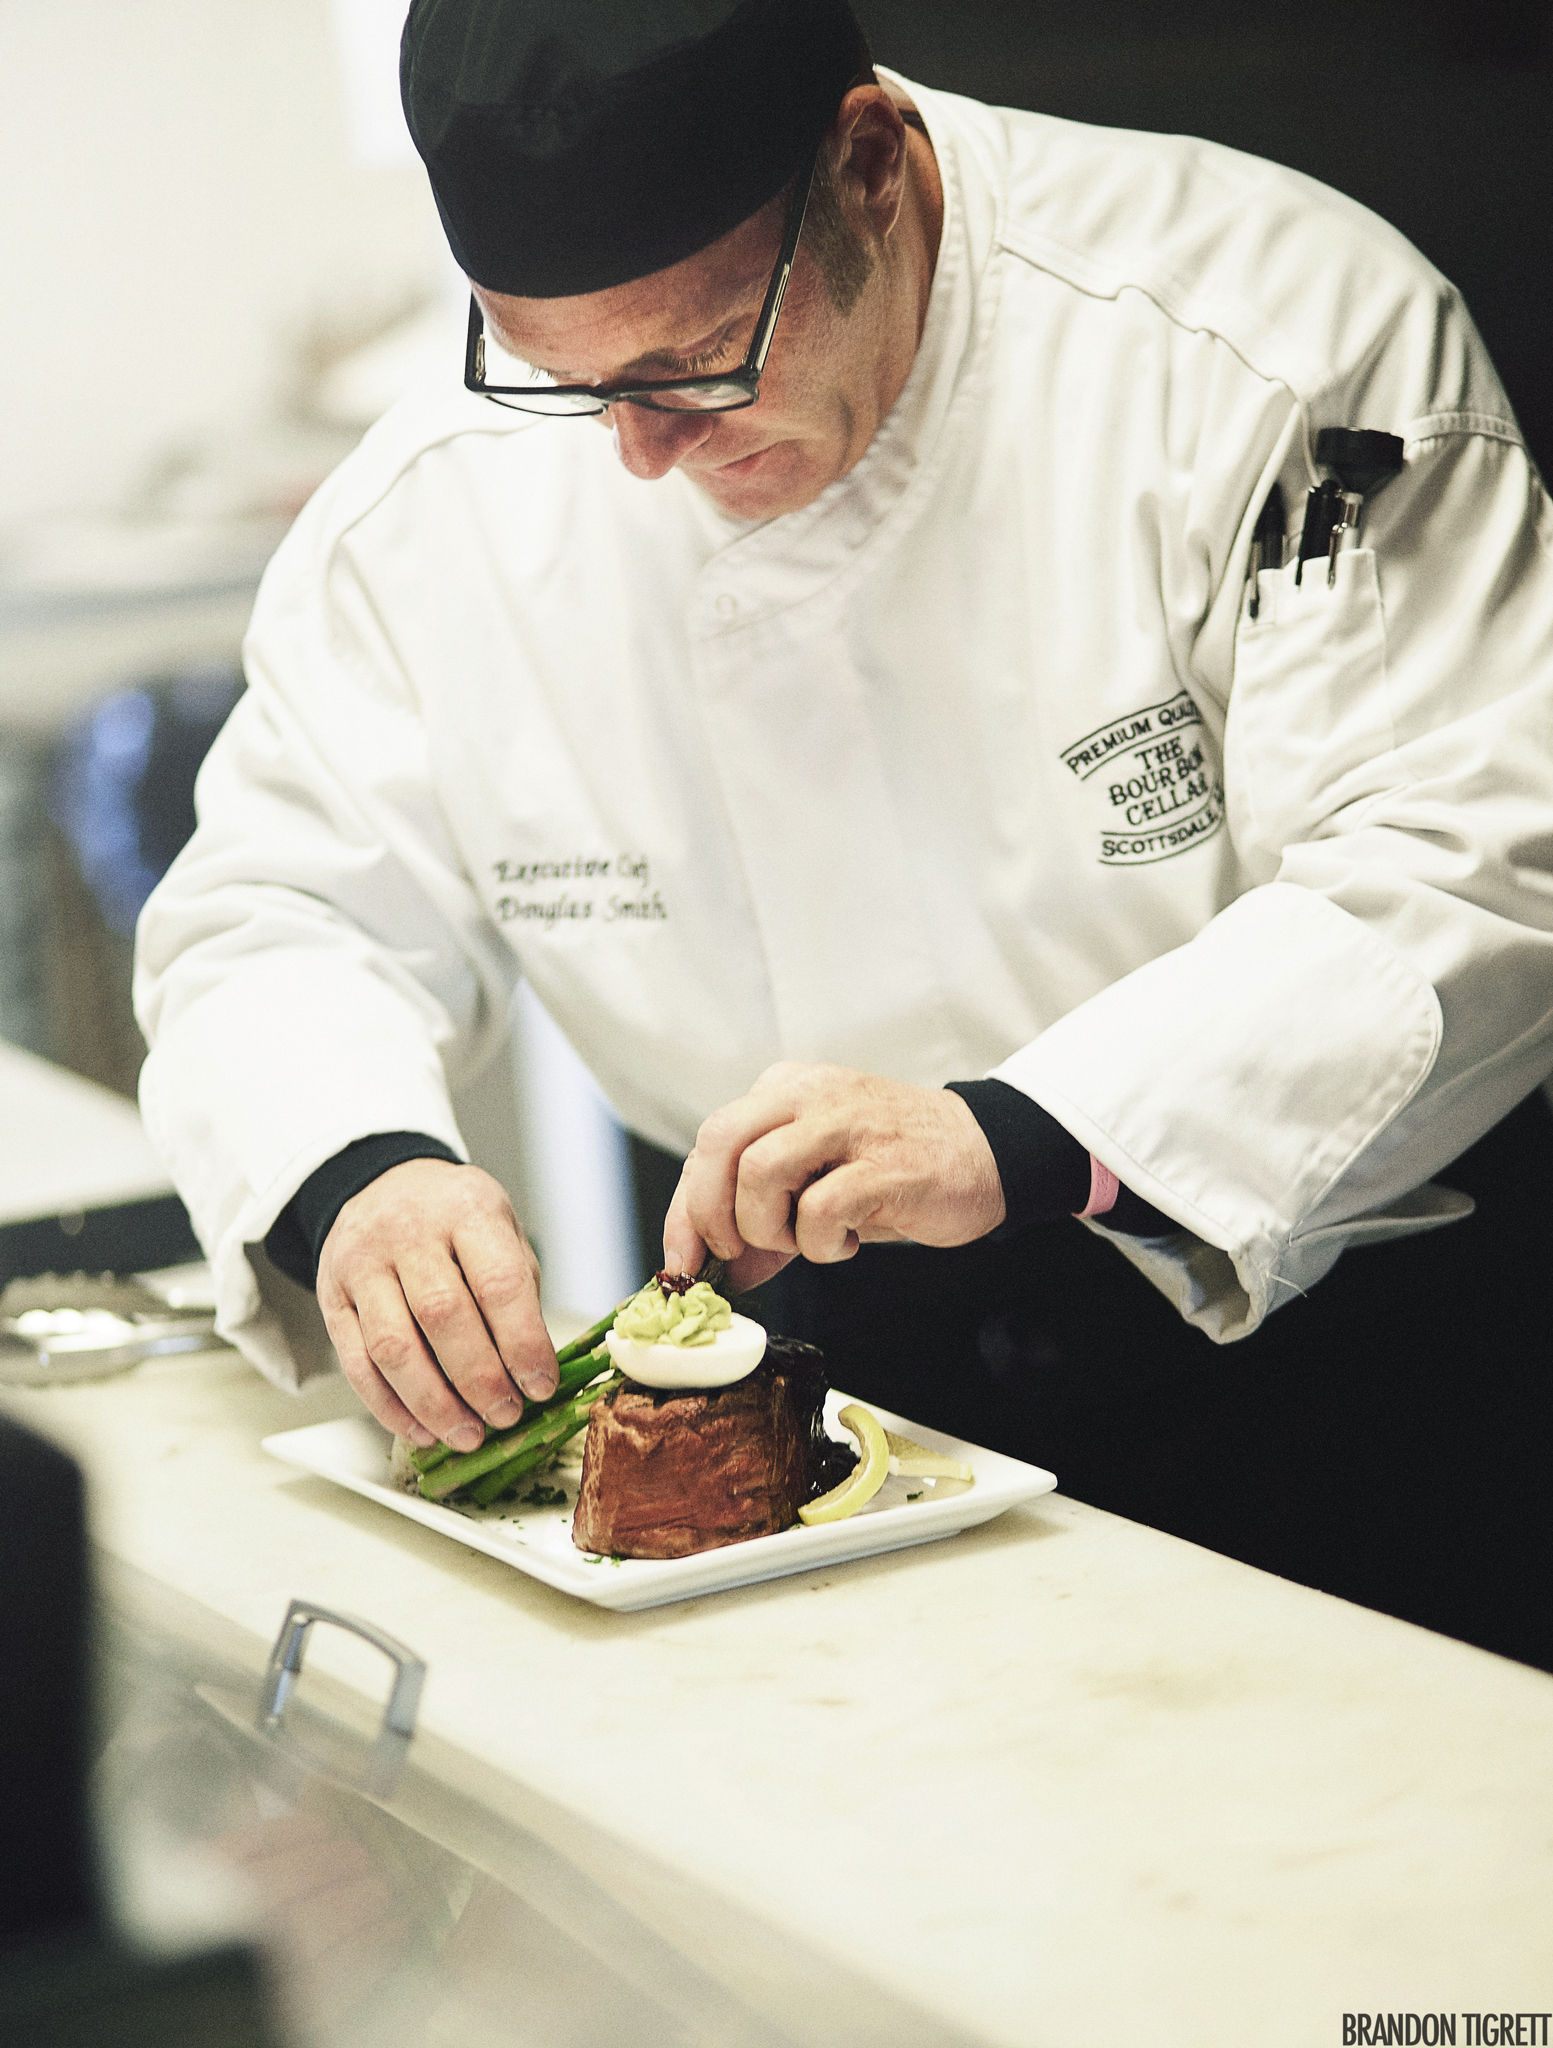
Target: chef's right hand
<point>430,1293</point>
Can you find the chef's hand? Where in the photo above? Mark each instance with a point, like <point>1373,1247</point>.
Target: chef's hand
<point>430,1292</point>
<point>818,1160</point>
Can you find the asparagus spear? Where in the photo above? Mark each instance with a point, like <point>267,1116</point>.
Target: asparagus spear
<point>547,1425</point>
<point>509,1442</point>
<point>577,1368</point>
<point>589,1340</point>
<point>506,1477</point>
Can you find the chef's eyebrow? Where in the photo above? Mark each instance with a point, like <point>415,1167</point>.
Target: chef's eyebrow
<point>708,345</point>
<point>668,358</point>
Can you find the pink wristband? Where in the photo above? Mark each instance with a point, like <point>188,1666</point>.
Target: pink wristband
<point>1104,1188</point>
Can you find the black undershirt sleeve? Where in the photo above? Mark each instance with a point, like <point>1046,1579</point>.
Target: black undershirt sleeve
<point>296,1238</point>
<point>1043,1167</point>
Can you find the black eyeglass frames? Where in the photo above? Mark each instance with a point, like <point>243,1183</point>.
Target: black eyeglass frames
<point>722,392</point>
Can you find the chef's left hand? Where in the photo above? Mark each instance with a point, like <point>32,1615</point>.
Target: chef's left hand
<point>817,1160</point>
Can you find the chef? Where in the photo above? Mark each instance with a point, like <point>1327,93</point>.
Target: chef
<point>818,650</point>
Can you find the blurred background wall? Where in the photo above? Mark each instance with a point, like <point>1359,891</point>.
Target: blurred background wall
<point>219,261</point>
<point>193,233</point>
<point>190,232</point>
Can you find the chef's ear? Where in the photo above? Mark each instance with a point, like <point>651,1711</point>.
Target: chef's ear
<point>862,168</point>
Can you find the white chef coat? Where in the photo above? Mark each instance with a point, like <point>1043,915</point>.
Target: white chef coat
<point>977,764</point>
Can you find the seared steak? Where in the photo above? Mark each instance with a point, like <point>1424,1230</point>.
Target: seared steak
<point>666,1474</point>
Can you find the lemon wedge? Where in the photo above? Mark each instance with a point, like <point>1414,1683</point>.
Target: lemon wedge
<point>915,1461</point>
<point>865,1478</point>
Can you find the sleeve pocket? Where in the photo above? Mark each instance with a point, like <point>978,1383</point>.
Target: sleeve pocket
<point>1309,716</point>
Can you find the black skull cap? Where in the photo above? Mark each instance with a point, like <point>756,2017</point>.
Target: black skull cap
<point>577,144</point>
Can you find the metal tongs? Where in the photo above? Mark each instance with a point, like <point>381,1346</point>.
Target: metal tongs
<point>79,1326</point>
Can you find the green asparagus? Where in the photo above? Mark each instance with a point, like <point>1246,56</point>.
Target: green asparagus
<point>577,1368</point>
<point>545,1428</point>
<point>542,1447</point>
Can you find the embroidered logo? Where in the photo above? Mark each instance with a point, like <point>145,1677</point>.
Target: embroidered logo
<point>1158,794</point>
<point>577,889</point>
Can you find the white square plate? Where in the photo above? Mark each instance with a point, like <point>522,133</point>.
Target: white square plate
<point>354,1453</point>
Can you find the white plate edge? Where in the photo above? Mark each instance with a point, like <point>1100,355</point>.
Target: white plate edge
<point>1007,1483</point>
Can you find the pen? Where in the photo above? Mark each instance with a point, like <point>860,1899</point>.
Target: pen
<point>1361,460</point>
<point>1266,543</point>
<point>1323,518</point>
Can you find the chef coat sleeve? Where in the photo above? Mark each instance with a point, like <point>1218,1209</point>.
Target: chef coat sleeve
<point>1285,1084</point>
<point>316,966</point>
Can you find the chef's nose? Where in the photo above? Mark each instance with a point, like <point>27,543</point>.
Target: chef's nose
<point>651,443</point>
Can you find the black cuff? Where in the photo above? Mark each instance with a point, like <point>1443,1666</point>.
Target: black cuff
<point>1134,1217</point>
<point>296,1238</point>
<point>1043,1167</point>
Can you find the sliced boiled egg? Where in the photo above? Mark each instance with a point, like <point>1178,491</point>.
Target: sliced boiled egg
<point>733,1354</point>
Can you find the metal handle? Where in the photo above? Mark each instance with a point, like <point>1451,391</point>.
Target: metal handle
<point>285,1666</point>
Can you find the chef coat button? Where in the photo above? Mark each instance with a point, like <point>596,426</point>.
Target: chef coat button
<point>727,606</point>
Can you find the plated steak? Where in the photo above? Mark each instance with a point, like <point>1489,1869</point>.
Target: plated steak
<point>667,1474</point>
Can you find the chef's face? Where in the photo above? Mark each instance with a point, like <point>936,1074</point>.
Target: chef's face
<point>834,370</point>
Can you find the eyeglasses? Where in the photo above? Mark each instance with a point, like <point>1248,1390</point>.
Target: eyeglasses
<point>725,391</point>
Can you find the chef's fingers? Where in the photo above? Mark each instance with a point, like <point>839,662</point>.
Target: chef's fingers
<point>840,1211</point>
<point>750,1268</point>
<point>775,1169</point>
<point>684,1248</point>
<point>709,1181</point>
<point>706,1195</point>
<point>390,1254</point>
<point>684,1251</point>
<point>401,1354</point>
<point>503,1275</point>
<point>368,1384</point>
<point>940,1188</point>
<point>448,1318</point>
